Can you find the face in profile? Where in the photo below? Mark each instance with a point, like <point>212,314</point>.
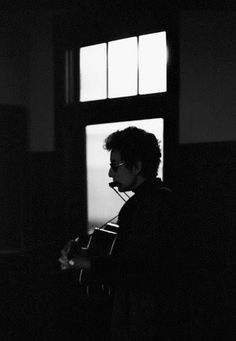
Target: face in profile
<point>125,177</point>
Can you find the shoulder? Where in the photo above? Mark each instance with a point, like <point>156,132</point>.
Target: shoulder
<point>156,200</point>
<point>157,191</point>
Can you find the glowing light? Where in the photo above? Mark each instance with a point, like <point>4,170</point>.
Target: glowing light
<point>122,68</point>
<point>93,72</point>
<point>152,63</point>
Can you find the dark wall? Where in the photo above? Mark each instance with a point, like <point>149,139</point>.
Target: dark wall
<point>13,219</point>
<point>13,156</point>
<point>207,180</point>
<point>207,175</point>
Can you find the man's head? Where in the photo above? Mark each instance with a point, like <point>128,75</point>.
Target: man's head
<point>135,157</point>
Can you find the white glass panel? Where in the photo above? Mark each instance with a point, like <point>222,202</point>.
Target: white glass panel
<point>122,67</point>
<point>152,63</point>
<point>93,72</point>
<point>103,202</point>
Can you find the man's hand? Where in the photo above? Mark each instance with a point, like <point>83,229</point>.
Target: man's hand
<point>64,261</point>
<point>80,261</point>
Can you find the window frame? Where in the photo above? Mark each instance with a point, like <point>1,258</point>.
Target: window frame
<point>108,59</point>
<point>71,119</point>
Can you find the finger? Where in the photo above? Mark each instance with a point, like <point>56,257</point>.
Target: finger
<point>63,260</point>
<point>64,267</point>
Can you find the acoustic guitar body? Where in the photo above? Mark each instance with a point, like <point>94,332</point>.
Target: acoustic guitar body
<point>100,243</point>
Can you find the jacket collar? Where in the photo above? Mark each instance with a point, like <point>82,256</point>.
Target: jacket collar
<point>150,183</point>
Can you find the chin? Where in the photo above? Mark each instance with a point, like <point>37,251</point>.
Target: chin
<point>121,188</point>
<point>124,189</point>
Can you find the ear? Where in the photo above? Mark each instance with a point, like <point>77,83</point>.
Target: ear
<point>137,168</point>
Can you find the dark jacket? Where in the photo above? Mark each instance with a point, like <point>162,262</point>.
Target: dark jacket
<point>145,265</point>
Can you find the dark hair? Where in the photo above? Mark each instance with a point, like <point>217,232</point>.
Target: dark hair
<point>135,144</point>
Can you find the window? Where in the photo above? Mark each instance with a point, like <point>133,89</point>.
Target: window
<point>93,65</point>
<point>97,162</point>
<point>105,76</point>
<point>152,63</point>
<point>124,67</point>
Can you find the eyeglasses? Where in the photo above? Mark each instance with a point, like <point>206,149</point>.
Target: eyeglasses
<point>115,167</point>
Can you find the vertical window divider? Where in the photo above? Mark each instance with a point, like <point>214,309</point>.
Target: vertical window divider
<point>66,83</point>
<point>76,75</point>
<point>137,65</point>
<point>71,76</point>
<point>107,85</point>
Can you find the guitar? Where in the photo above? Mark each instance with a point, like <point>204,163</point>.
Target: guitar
<point>100,243</point>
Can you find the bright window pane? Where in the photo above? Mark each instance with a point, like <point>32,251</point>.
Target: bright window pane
<point>103,202</point>
<point>152,63</point>
<point>122,67</point>
<point>93,72</point>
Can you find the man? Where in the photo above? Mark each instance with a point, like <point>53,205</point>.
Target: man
<point>144,265</point>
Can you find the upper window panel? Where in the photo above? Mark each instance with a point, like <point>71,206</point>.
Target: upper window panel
<point>152,63</point>
<point>124,67</point>
<point>93,72</point>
